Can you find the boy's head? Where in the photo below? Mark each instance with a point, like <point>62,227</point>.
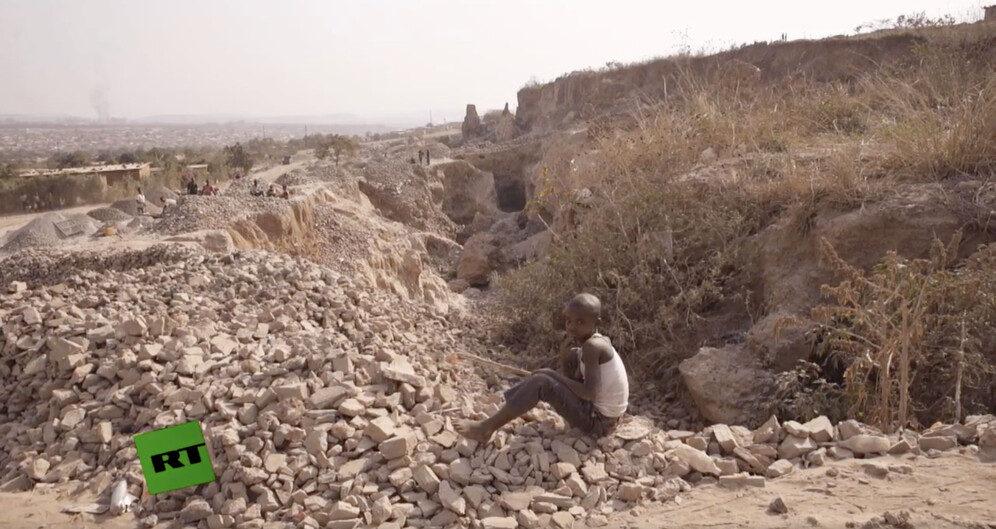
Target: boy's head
<point>581,316</point>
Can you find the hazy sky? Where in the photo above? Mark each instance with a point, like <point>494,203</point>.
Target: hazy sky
<point>136,58</point>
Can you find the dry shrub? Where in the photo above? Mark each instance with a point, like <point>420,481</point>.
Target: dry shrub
<point>913,337</point>
<point>661,244</point>
<point>804,393</point>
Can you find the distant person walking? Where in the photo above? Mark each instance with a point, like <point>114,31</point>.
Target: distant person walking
<point>427,162</point>
<point>140,202</point>
<point>421,155</point>
<point>191,187</point>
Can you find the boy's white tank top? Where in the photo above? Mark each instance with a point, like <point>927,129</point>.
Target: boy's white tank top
<point>613,395</point>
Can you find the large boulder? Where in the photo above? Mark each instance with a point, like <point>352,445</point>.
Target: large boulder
<point>781,340</point>
<point>442,253</point>
<point>467,192</point>
<point>532,249</point>
<point>475,265</point>
<point>786,256</point>
<point>728,385</point>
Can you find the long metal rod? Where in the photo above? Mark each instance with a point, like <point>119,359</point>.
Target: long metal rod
<point>492,363</point>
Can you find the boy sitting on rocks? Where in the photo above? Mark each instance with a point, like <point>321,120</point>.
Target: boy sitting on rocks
<point>591,392</point>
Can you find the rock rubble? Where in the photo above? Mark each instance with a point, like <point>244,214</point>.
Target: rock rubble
<point>328,402</point>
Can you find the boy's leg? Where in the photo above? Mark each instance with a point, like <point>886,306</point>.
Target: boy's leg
<point>523,397</point>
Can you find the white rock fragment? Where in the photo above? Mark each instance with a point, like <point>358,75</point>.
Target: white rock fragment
<point>398,446</point>
<point>793,447</point>
<point>698,460</point>
<point>496,522</point>
<point>724,437</point>
<point>451,499</point>
<point>121,499</point>
<point>820,429</point>
<point>866,444</point>
<point>780,468</point>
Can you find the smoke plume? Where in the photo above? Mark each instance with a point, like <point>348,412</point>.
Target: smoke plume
<point>99,100</point>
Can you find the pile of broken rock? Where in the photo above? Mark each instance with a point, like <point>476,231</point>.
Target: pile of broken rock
<point>329,403</point>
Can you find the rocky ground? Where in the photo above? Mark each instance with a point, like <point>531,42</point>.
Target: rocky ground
<point>329,396</point>
<point>330,403</point>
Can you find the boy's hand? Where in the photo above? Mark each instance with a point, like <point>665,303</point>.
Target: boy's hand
<point>565,347</point>
<point>545,371</point>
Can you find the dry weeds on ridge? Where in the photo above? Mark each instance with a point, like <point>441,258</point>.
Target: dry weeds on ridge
<point>795,147</point>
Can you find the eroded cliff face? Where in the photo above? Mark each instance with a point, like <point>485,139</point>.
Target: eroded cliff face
<point>320,225</point>
<point>585,95</point>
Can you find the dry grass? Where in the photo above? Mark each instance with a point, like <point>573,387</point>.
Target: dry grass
<point>663,245</point>
<point>938,119</point>
<point>663,240</point>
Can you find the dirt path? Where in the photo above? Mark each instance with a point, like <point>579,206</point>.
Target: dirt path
<point>952,490</point>
<point>302,159</point>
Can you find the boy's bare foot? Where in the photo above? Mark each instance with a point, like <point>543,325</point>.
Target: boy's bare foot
<point>474,431</point>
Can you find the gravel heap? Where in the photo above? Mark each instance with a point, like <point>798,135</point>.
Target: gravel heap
<point>109,215</point>
<point>340,241</point>
<point>331,403</point>
<point>130,206</point>
<point>195,212</point>
<point>406,193</point>
<point>154,195</point>
<point>41,232</point>
<point>241,187</point>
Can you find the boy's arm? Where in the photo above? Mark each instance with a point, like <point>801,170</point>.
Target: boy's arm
<point>590,353</point>
<point>569,366</point>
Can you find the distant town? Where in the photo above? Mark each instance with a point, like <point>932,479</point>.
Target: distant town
<point>39,141</point>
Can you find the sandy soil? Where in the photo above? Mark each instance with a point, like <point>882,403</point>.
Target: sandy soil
<point>36,510</point>
<point>950,491</point>
<point>953,490</point>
